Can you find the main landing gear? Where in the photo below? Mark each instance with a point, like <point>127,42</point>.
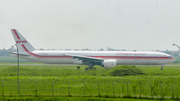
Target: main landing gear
<point>90,66</point>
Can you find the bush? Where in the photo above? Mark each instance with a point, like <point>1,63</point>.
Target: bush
<point>125,71</point>
<point>78,67</point>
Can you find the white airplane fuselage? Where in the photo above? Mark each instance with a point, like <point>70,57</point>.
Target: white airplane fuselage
<point>107,59</point>
<point>122,57</point>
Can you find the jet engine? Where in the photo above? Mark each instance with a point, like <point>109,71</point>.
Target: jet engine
<point>109,63</point>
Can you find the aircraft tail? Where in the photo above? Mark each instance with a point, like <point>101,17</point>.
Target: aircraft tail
<point>21,42</point>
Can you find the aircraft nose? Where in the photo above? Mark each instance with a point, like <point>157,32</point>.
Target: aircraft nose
<point>172,59</point>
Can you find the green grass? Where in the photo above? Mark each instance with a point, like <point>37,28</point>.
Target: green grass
<point>61,81</point>
<point>71,70</point>
<point>58,80</point>
<point>69,98</point>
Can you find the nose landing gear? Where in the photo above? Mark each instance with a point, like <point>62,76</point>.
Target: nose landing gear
<point>161,67</point>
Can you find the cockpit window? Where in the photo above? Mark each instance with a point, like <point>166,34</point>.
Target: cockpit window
<point>169,56</point>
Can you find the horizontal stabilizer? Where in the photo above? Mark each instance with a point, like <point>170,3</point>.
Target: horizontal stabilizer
<point>20,54</point>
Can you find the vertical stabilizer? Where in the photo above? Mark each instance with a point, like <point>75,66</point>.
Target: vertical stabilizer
<point>21,42</point>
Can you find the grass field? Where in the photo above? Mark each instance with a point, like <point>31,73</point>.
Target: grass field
<point>58,80</point>
<point>70,99</point>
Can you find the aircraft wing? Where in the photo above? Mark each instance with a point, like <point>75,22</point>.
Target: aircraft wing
<point>86,58</point>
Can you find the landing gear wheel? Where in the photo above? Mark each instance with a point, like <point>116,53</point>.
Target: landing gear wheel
<point>90,66</point>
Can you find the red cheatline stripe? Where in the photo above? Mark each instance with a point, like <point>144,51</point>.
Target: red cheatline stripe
<point>17,36</point>
<point>103,57</point>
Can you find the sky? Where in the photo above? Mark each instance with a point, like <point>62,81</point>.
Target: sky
<point>93,24</point>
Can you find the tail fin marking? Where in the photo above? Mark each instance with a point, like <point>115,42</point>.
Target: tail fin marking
<point>20,40</point>
<point>17,36</point>
<point>26,47</point>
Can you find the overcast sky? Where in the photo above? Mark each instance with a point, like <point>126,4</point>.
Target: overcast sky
<point>94,24</point>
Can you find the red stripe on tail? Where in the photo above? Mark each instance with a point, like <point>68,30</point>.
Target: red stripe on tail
<point>17,36</point>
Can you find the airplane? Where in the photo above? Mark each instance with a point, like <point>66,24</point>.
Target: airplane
<point>106,59</point>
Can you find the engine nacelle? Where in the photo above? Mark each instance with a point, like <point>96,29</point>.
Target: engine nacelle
<point>109,63</point>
